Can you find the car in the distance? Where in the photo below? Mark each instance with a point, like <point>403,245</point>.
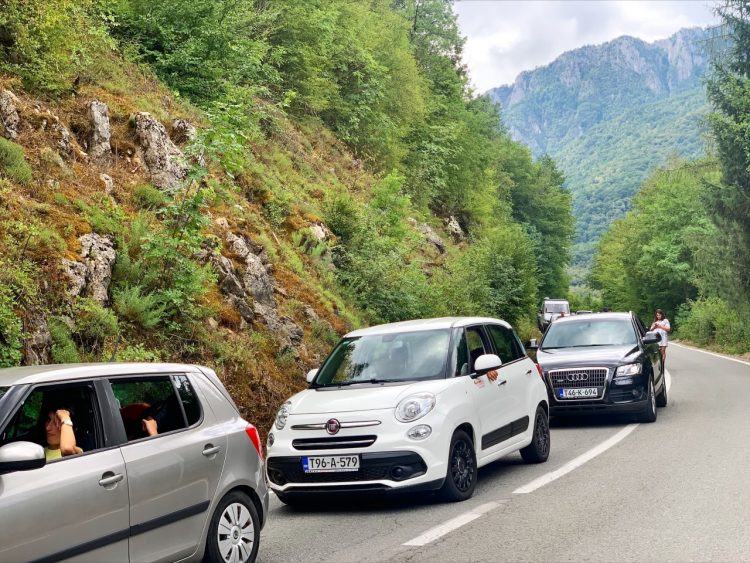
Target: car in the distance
<point>551,310</point>
<point>410,406</point>
<point>187,486</point>
<point>607,362</point>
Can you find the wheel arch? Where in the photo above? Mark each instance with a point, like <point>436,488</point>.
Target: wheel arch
<point>469,429</point>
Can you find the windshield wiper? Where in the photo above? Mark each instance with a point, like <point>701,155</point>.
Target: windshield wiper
<point>355,382</point>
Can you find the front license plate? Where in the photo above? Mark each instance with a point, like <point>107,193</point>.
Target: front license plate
<point>330,463</point>
<point>582,393</point>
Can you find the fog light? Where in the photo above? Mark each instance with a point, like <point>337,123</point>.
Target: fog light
<point>636,393</point>
<point>419,432</point>
<point>271,439</point>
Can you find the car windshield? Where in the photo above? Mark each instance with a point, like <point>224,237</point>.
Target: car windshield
<point>405,356</point>
<point>610,332</point>
<point>556,308</point>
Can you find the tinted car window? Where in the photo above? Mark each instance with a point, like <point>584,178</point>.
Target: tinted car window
<point>505,343</point>
<point>189,399</point>
<point>3,391</point>
<point>609,332</point>
<point>476,344</point>
<point>29,420</point>
<point>147,398</point>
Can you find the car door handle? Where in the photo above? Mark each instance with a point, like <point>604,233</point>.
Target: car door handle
<point>109,479</point>
<point>502,382</point>
<point>210,450</point>
<point>529,372</point>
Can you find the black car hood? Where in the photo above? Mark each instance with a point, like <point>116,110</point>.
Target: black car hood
<point>604,356</point>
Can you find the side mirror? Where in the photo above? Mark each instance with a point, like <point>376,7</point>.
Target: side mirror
<point>532,344</point>
<point>485,363</point>
<point>651,338</point>
<point>21,456</point>
<point>311,375</point>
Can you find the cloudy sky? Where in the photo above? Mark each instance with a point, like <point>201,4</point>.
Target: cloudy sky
<point>505,37</point>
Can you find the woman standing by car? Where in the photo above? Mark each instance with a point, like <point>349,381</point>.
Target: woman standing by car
<point>662,327</point>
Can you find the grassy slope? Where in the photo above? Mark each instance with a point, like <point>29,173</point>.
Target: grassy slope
<point>303,161</point>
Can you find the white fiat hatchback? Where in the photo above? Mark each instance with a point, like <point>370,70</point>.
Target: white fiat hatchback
<point>411,406</point>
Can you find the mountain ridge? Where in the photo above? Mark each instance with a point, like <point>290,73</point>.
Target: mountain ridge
<point>573,108</point>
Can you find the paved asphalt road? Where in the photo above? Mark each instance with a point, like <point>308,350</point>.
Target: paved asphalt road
<point>675,490</point>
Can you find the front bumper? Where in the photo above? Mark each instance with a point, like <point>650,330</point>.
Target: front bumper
<point>390,462</point>
<point>630,398</point>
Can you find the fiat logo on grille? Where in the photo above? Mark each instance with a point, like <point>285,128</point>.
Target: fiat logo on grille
<point>333,426</point>
<point>577,376</point>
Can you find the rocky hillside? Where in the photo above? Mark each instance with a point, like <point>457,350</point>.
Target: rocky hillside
<point>609,114</point>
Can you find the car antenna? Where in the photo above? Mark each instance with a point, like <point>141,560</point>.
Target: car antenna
<point>114,352</point>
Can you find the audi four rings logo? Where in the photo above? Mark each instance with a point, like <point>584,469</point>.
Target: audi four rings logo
<point>577,376</point>
<point>333,426</point>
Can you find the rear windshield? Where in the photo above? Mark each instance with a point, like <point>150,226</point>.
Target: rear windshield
<point>571,334</point>
<point>556,308</point>
<point>407,356</point>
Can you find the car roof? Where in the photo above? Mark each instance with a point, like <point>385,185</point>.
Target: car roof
<point>424,324</point>
<point>608,316</point>
<point>69,372</point>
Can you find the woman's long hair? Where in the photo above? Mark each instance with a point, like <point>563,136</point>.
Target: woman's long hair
<point>657,313</point>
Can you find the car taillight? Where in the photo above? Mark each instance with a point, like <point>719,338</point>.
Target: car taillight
<point>539,369</point>
<point>252,433</point>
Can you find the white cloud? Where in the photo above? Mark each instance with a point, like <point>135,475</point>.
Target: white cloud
<point>507,37</point>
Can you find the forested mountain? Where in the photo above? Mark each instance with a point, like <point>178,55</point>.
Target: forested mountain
<point>684,246</point>
<point>236,183</point>
<point>609,114</point>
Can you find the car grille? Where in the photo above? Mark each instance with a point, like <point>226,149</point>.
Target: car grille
<point>396,466</point>
<point>570,378</point>
<point>334,442</point>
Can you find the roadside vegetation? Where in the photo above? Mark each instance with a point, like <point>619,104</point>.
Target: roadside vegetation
<point>685,246</point>
<point>353,117</point>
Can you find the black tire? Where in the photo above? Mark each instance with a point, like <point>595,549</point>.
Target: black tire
<point>461,477</point>
<point>234,527</point>
<point>661,398</point>
<point>538,450</point>
<point>649,409</point>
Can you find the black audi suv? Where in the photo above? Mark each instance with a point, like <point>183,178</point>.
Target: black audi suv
<point>602,362</point>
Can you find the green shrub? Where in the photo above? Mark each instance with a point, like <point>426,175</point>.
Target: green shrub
<point>148,197</point>
<point>342,217</point>
<point>105,217</point>
<point>13,163</point>
<point>138,309</point>
<point>11,330</point>
<point>277,209</point>
<point>64,349</point>
<point>93,324</point>
<point>321,330</point>
<point>713,321</point>
<point>136,353</point>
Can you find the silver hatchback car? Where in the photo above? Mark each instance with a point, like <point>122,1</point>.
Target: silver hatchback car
<point>126,462</point>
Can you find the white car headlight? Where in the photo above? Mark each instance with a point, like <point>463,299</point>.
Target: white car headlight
<point>415,407</point>
<point>628,370</point>
<point>282,415</point>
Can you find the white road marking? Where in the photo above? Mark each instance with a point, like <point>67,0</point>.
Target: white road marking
<point>453,524</point>
<point>712,354</point>
<point>576,462</point>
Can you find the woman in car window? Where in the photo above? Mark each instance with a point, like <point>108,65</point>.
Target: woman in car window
<point>662,327</point>
<point>61,439</point>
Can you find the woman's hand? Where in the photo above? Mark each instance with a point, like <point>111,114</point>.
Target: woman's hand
<point>150,426</point>
<point>62,415</point>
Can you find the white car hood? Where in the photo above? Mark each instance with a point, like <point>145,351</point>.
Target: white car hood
<point>360,398</point>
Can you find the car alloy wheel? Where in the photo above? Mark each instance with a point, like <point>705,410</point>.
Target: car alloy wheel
<point>541,435</point>
<point>462,466</point>
<point>235,534</point>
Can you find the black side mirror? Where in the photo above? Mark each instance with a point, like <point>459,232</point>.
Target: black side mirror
<point>21,456</point>
<point>651,338</point>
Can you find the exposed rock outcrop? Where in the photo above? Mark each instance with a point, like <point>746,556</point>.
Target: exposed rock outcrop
<point>100,151</point>
<point>37,346</point>
<point>183,131</point>
<point>91,278</point>
<point>429,234</point>
<point>320,232</point>
<point>454,228</point>
<point>165,162</point>
<point>10,120</point>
